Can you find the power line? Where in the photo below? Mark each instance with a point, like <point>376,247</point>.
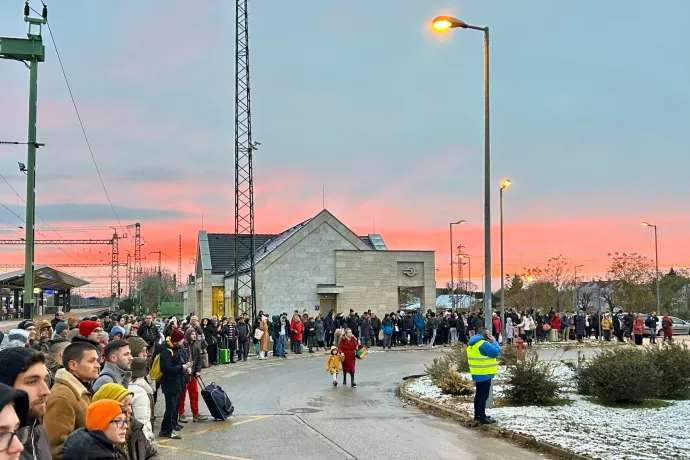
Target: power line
<point>20,197</point>
<point>81,124</point>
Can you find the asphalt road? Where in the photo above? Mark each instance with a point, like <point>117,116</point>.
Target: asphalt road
<point>289,409</point>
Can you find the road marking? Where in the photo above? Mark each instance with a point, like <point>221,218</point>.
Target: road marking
<point>218,427</point>
<point>210,454</point>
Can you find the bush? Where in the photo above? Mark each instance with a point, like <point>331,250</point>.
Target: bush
<point>509,356</point>
<point>456,384</point>
<point>619,375</point>
<point>531,381</point>
<point>458,355</point>
<point>439,369</point>
<point>671,363</point>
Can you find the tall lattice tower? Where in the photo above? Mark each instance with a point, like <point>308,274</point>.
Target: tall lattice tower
<point>244,295</point>
<point>114,266</point>
<point>179,260</point>
<point>136,276</point>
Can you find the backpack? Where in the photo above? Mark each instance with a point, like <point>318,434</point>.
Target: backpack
<point>156,372</point>
<point>665,324</point>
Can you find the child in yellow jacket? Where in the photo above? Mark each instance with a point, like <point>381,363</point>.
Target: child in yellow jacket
<point>333,365</point>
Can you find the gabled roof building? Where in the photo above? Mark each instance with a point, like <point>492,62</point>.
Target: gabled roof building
<point>317,265</point>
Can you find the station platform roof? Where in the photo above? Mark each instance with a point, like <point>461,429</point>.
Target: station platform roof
<point>45,278</point>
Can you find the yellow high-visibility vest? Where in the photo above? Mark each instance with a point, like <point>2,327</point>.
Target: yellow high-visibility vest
<point>480,364</point>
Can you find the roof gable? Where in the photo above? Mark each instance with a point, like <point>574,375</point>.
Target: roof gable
<point>222,250</point>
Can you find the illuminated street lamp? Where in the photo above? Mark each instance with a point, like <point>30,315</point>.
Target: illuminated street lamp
<point>442,24</point>
<point>504,185</point>
<point>656,261</point>
<point>452,281</point>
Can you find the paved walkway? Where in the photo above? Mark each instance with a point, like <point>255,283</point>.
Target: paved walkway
<point>5,326</point>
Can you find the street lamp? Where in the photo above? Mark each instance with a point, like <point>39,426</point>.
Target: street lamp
<point>442,24</point>
<point>504,185</point>
<point>656,261</point>
<point>577,288</point>
<point>469,271</point>
<point>452,281</point>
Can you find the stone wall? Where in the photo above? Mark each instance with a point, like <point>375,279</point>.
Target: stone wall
<point>371,279</point>
<point>289,282</point>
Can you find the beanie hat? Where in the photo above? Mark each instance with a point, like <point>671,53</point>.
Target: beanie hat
<point>139,368</point>
<point>136,345</point>
<point>72,322</point>
<point>116,330</point>
<point>17,338</point>
<point>12,361</point>
<point>87,327</point>
<point>26,324</point>
<point>101,413</point>
<point>61,327</point>
<point>176,336</point>
<point>72,334</point>
<point>113,391</point>
<point>19,398</point>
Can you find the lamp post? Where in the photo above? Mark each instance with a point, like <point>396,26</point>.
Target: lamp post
<point>30,50</point>
<point>159,279</point>
<point>577,289</point>
<point>656,261</point>
<point>441,24</point>
<point>504,185</point>
<point>469,271</point>
<point>452,281</point>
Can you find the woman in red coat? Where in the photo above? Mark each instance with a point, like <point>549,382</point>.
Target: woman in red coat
<point>296,329</point>
<point>347,347</point>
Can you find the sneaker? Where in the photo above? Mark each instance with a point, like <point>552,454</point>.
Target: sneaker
<point>172,435</point>
<point>182,419</point>
<point>485,420</point>
<point>177,428</point>
<point>199,418</point>
<point>335,384</point>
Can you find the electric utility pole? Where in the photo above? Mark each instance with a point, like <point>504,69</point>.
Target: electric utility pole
<point>29,50</point>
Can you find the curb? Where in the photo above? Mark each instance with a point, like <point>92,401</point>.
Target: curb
<point>467,421</point>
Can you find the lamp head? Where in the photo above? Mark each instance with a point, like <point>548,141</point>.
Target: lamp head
<point>443,23</point>
<point>505,184</point>
<point>645,224</point>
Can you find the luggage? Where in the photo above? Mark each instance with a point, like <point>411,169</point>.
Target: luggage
<point>224,356</point>
<point>216,400</point>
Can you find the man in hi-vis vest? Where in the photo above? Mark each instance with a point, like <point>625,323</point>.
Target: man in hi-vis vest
<point>482,352</point>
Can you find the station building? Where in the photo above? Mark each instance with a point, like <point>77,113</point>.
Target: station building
<point>318,265</point>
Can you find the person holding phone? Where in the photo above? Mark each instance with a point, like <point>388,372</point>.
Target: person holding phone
<point>482,352</point>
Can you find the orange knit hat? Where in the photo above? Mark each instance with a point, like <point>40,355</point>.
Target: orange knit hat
<point>101,413</point>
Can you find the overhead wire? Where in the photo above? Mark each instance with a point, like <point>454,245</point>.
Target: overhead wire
<point>37,214</point>
<point>81,124</point>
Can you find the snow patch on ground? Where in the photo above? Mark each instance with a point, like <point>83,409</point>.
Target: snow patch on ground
<point>584,427</point>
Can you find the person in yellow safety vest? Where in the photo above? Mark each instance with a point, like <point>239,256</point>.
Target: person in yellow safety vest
<point>482,352</point>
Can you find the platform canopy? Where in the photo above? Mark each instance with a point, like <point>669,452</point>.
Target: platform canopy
<point>45,278</point>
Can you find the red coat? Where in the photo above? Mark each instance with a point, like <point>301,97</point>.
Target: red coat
<point>296,329</point>
<point>556,323</point>
<point>348,347</point>
<point>497,324</point>
<point>668,331</point>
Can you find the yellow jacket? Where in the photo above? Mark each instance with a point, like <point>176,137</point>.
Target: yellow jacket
<point>333,364</point>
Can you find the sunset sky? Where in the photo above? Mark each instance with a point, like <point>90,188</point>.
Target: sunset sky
<point>590,113</point>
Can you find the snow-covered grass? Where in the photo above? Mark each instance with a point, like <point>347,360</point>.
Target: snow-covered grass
<point>585,427</point>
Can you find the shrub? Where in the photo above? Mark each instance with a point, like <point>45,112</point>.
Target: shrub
<point>439,369</point>
<point>531,381</point>
<point>458,355</point>
<point>456,384</point>
<point>509,356</point>
<point>619,375</point>
<point>671,363</point>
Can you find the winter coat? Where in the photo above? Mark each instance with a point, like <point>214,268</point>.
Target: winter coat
<point>580,325</point>
<point>265,342</point>
<point>137,445</point>
<point>366,329</point>
<point>319,330</point>
<point>387,326</point>
<point>65,410</point>
<point>174,377</point>
<point>211,334</point>
<point>606,324</point>
<point>668,331</point>
<point>151,334</point>
<point>296,330</point>
<point>351,322</point>
<point>230,331</point>
<point>116,330</point>
<point>141,405</point>
<point>35,441</point>
<point>348,347</point>
<point>243,331</point>
<point>194,350</point>
<point>638,326</point>
<point>408,323</point>
<point>556,323</point>
<point>419,321</point>
<point>496,323</point>
<point>376,323</point>
<point>91,445</point>
<point>333,364</point>
<point>510,329</point>
<point>329,323</point>
<point>111,374</point>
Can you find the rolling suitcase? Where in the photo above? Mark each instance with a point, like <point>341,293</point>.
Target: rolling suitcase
<point>224,356</point>
<point>216,400</point>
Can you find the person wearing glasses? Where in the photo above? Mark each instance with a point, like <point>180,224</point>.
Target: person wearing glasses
<point>14,409</point>
<point>103,436</point>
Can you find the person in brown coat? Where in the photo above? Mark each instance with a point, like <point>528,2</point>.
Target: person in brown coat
<point>265,341</point>
<point>70,398</point>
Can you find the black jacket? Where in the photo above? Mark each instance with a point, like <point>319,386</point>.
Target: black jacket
<point>243,332</point>
<point>174,377</point>
<point>90,445</point>
<point>329,324</point>
<point>138,447</point>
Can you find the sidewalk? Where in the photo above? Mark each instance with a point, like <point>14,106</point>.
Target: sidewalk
<point>5,326</point>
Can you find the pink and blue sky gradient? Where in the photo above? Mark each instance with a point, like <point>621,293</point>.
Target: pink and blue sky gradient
<point>590,114</point>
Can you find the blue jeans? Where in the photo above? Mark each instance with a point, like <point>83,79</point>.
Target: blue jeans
<point>280,346</point>
<point>242,349</point>
<point>419,335</point>
<point>652,335</point>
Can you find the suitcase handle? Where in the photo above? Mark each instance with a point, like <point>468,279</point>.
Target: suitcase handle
<point>203,385</point>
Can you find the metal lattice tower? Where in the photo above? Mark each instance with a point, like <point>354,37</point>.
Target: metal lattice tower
<point>114,266</point>
<point>244,294</point>
<point>179,260</point>
<point>136,276</point>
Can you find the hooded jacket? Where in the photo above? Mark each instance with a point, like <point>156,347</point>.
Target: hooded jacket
<point>111,374</point>
<point>35,441</point>
<point>90,445</point>
<point>193,349</point>
<point>116,330</point>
